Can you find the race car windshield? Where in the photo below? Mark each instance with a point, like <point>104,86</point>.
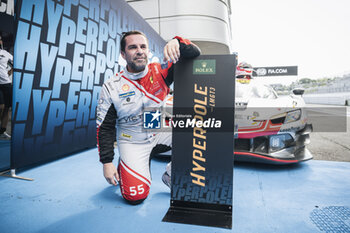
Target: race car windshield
<point>255,90</point>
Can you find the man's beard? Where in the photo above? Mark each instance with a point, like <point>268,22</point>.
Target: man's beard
<point>138,67</point>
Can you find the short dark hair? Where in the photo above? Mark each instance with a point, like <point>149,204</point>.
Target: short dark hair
<point>126,34</point>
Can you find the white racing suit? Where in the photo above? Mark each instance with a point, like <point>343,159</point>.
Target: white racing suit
<point>121,105</point>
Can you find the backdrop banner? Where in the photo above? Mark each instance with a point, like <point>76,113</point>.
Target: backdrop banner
<point>64,51</point>
<point>202,162</point>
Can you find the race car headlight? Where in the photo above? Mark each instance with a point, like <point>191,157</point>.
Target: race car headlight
<point>293,116</point>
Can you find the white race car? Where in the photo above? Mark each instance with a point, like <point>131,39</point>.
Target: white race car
<point>269,128</point>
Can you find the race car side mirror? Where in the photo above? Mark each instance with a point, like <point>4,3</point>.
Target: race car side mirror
<point>298,91</point>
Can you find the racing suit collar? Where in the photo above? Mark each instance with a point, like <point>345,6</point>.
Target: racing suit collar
<point>136,76</point>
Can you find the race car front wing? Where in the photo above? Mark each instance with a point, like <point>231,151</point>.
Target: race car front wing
<point>277,149</point>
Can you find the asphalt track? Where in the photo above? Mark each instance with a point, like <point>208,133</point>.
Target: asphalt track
<point>331,137</point>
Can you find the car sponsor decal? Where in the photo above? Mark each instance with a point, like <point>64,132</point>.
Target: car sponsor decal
<point>291,129</point>
<point>266,157</point>
<point>263,128</point>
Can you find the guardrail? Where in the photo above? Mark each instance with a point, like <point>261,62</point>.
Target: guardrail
<point>335,98</point>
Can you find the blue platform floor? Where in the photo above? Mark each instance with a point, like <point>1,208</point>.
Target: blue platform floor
<point>71,195</point>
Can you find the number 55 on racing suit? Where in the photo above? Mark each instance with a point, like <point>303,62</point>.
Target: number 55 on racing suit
<point>123,99</point>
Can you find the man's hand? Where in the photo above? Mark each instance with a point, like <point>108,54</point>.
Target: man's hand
<point>110,173</point>
<point>172,51</point>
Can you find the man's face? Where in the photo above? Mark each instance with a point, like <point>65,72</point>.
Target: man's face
<point>136,53</point>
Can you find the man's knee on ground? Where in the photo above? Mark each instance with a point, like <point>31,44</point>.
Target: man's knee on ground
<point>133,186</point>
